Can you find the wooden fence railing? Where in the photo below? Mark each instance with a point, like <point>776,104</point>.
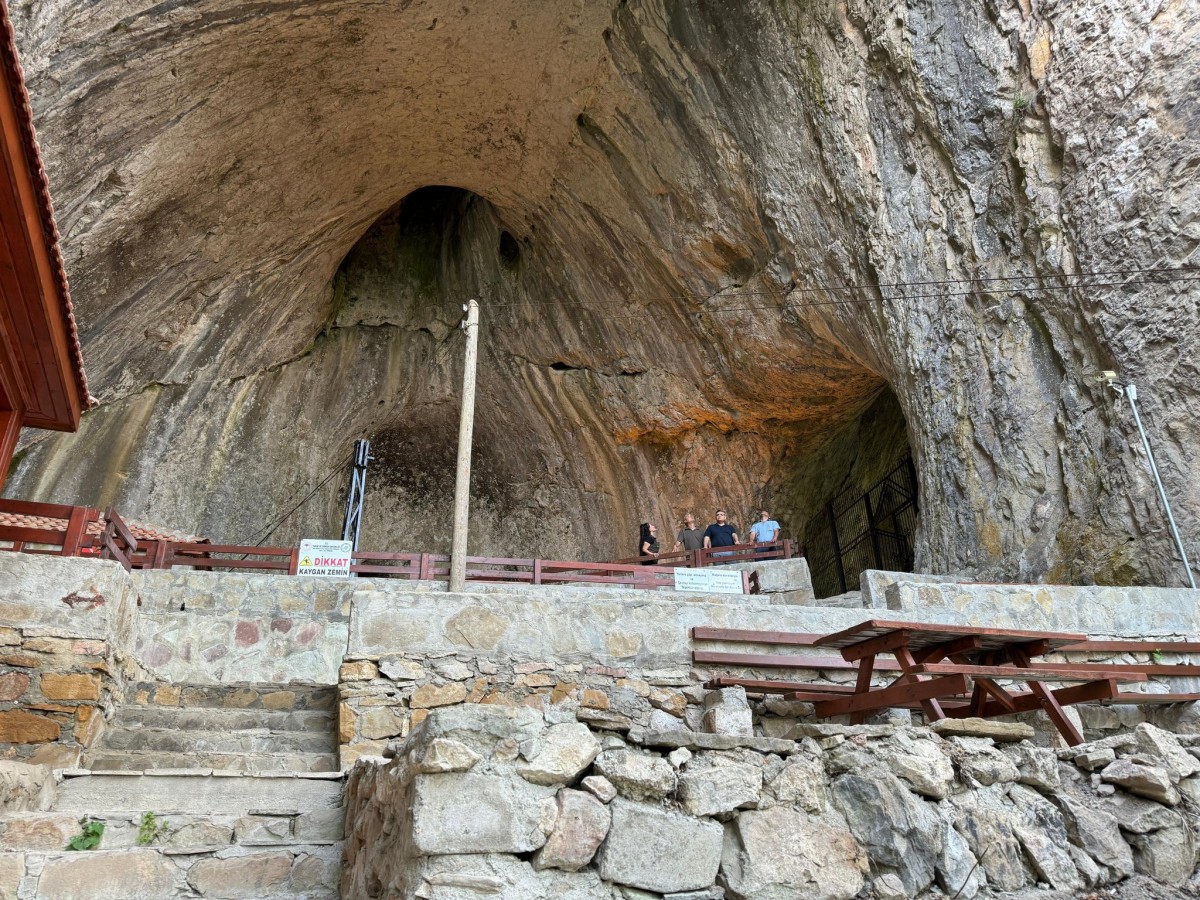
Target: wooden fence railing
<point>64,530</point>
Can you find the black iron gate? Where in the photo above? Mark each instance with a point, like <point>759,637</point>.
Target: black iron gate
<point>873,530</point>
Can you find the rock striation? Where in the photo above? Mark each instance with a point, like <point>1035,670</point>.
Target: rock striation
<point>271,216</point>
<point>845,814</point>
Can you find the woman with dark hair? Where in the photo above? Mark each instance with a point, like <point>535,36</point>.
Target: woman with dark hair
<point>648,543</point>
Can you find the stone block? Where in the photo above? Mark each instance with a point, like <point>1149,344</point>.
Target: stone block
<point>726,711</point>
<point>447,755</point>
<point>358,670</point>
<point>468,813</point>
<point>1001,732</point>
<point>12,870</point>
<point>20,727</point>
<point>1098,833</point>
<point>604,719</point>
<point>1165,748</point>
<point>637,776</point>
<point>319,825</point>
<point>13,685</point>
<point>110,875</point>
<point>1036,766</point>
<point>429,696</point>
<point>801,782</point>
<point>899,831</point>
<point>452,670</point>
<point>1151,782</point>
<point>655,849</point>
<point>1167,855</point>
<point>563,753</point>
<point>600,786</point>
<point>45,832</point>
<point>346,723</point>
<point>580,826</point>
<point>167,695</point>
<point>200,834</point>
<point>70,687</point>
<point>668,701</point>
<point>9,637</point>
<point>89,723</point>
<point>279,700</point>
<point>263,830</point>
<point>240,877</point>
<point>401,669</point>
<point>782,854</point>
<point>382,722</point>
<point>712,785</point>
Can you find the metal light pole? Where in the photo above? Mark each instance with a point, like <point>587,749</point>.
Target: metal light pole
<point>1129,392</point>
<point>1131,395</point>
<point>466,428</point>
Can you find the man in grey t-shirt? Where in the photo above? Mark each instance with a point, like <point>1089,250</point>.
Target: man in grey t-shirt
<point>690,537</point>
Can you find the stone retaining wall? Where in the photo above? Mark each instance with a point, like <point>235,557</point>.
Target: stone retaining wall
<point>225,628</point>
<point>65,644</point>
<point>513,804</point>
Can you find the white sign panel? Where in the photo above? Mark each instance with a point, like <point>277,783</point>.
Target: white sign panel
<point>709,581</point>
<point>324,558</point>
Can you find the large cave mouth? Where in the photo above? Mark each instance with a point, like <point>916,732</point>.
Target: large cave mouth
<point>854,498</point>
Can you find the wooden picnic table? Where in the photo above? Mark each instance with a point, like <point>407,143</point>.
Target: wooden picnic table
<point>936,662</point>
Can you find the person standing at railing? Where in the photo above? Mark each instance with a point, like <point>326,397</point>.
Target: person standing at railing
<point>648,543</point>
<point>721,533</point>
<point>690,537</point>
<point>764,531</point>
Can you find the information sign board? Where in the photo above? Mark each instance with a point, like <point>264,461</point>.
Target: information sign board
<point>324,557</point>
<point>709,580</point>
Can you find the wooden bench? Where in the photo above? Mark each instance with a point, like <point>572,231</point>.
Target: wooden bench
<point>944,670</point>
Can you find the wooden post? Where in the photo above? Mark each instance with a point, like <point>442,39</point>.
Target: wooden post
<point>537,571</point>
<point>294,561</point>
<point>466,428</point>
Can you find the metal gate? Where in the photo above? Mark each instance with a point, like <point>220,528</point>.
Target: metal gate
<point>873,530</point>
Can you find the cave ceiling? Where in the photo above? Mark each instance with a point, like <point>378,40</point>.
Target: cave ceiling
<point>271,213</point>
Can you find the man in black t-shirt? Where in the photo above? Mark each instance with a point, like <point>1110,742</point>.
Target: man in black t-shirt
<point>720,534</point>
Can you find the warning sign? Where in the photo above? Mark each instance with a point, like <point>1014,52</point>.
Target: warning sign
<point>709,581</point>
<point>324,558</point>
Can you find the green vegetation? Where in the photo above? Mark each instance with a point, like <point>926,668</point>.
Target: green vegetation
<point>89,837</point>
<point>150,829</point>
<point>1021,102</point>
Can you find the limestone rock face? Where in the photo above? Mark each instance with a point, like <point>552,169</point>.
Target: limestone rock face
<point>272,214</point>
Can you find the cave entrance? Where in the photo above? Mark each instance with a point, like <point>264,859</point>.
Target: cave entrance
<point>856,500</point>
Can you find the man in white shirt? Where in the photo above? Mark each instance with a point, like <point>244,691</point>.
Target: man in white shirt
<point>765,530</point>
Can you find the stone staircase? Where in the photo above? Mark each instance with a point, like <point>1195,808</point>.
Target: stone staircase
<point>246,728</point>
<point>241,785</point>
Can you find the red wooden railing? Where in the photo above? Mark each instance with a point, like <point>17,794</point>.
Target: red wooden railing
<point>65,533</point>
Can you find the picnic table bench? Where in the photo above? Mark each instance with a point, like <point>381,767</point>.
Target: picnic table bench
<point>945,670</point>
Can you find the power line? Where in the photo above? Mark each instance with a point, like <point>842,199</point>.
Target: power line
<point>787,306</point>
<point>272,528</point>
<point>1162,274</point>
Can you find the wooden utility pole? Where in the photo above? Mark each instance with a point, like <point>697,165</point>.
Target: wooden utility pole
<point>466,429</point>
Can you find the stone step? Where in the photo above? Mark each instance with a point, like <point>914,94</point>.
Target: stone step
<point>188,791</point>
<point>258,740</point>
<point>49,831</point>
<point>271,697</point>
<point>140,760</point>
<point>207,718</point>
<point>296,872</point>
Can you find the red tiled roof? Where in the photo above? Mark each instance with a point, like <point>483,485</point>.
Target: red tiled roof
<point>140,531</point>
<point>37,171</point>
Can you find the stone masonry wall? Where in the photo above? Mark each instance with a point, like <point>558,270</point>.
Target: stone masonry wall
<point>221,628</point>
<point>65,647</point>
<point>512,804</point>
